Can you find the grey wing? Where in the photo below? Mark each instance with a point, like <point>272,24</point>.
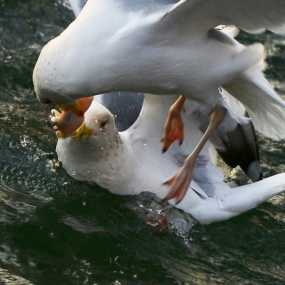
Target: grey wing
<point>250,15</point>
<point>144,5</point>
<point>235,139</point>
<point>126,107</point>
<point>130,5</point>
<point>241,148</point>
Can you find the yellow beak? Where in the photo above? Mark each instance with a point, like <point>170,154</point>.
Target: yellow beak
<point>82,132</point>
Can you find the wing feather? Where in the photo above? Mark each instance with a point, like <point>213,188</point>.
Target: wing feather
<point>253,16</point>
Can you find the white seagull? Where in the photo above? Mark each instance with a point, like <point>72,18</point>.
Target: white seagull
<point>235,140</point>
<point>130,162</point>
<point>163,47</point>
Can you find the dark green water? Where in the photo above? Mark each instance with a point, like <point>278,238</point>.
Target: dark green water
<point>54,230</point>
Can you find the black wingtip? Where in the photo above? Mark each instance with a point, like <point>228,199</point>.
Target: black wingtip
<point>254,171</point>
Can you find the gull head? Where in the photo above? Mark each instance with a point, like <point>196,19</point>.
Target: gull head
<point>98,122</point>
<point>83,119</point>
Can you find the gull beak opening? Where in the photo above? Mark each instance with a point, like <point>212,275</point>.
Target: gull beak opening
<point>67,120</point>
<point>82,132</point>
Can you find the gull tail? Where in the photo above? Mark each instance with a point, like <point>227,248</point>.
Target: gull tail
<point>245,198</point>
<point>238,200</point>
<point>264,105</point>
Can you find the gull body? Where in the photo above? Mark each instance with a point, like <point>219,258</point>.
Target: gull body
<point>130,162</point>
<point>235,140</point>
<point>163,47</point>
<point>127,54</point>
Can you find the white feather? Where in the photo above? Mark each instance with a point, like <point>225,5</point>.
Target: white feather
<point>168,49</point>
<point>253,16</point>
<point>265,106</point>
<point>137,164</point>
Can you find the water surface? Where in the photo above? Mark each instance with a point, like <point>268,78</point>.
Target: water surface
<point>54,230</point>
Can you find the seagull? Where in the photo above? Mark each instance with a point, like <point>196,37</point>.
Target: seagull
<point>235,141</point>
<point>118,103</point>
<point>130,162</point>
<point>168,47</point>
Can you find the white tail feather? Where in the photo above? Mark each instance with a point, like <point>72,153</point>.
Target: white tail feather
<point>265,106</point>
<point>243,60</point>
<point>247,197</point>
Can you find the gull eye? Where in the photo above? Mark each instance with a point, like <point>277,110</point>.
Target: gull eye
<point>103,124</point>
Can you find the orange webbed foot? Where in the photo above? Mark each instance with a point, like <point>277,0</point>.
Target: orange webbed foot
<point>173,129</point>
<point>179,183</point>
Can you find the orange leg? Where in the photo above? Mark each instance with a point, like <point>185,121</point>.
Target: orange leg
<point>173,128</point>
<point>180,183</point>
<point>69,118</point>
